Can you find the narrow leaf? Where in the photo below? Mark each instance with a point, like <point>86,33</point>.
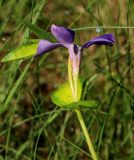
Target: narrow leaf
<point>14,89</point>
<point>23,51</point>
<point>82,104</point>
<point>39,31</point>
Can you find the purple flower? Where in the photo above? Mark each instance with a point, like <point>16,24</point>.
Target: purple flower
<point>65,38</point>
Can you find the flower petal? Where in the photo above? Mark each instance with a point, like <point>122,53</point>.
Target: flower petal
<point>63,35</point>
<point>45,46</point>
<point>106,39</point>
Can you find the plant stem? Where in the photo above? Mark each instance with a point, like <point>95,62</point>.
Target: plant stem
<point>73,79</point>
<point>70,76</point>
<point>82,123</point>
<point>76,88</point>
<point>86,134</point>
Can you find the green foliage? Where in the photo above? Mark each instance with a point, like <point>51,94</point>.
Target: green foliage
<point>24,51</point>
<point>83,104</point>
<point>38,31</point>
<point>63,95</point>
<point>14,88</point>
<point>32,128</point>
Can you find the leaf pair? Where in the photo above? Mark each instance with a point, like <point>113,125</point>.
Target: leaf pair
<point>63,97</point>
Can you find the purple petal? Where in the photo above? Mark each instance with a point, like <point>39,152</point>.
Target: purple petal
<point>45,46</point>
<point>63,35</point>
<point>106,39</point>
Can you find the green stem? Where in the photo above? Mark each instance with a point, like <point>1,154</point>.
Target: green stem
<point>76,88</point>
<point>82,123</point>
<point>70,76</point>
<point>86,134</point>
<point>74,84</point>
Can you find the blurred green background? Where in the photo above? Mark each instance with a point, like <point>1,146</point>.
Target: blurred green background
<point>31,127</point>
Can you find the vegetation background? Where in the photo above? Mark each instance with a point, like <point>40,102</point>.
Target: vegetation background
<point>31,127</point>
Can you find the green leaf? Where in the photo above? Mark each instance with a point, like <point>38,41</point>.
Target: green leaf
<point>83,103</point>
<point>63,95</point>
<point>23,51</point>
<point>38,31</point>
<point>14,88</point>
